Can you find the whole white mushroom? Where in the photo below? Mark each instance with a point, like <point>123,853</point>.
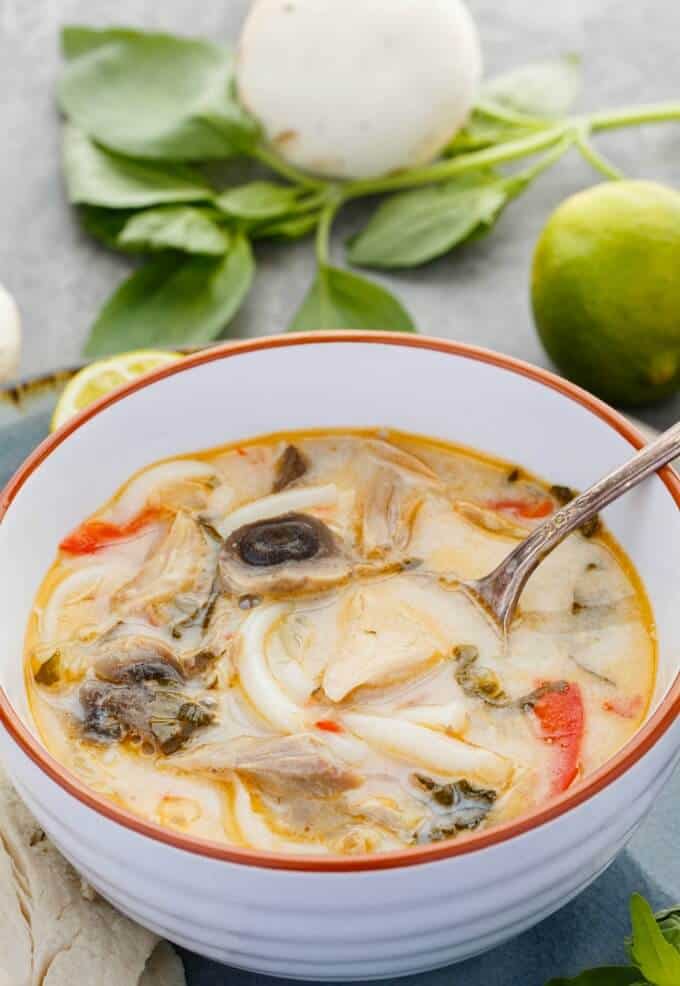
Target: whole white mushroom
<point>358,88</point>
<point>10,334</point>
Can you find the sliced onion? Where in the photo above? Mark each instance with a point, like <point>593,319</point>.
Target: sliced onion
<point>135,496</point>
<point>451,717</point>
<point>277,504</point>
<point>420,745</point>
<point>78,582</point>
<point>257,680</point>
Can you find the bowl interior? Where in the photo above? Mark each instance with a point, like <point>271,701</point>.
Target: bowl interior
<point>332,384</point>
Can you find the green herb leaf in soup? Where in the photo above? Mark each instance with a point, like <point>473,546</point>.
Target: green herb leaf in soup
<point>174,300</point>
<point>340,300</point>
<point>95,176</point>
<point>154,95</point>
<point>413,227</point>
<point>543,89</point>
<point>258,200</point>
<point>656,958</point>
<point>611,975</point>
<point>175,227</point>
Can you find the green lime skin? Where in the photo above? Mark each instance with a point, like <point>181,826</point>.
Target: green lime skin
<point>605,290</point>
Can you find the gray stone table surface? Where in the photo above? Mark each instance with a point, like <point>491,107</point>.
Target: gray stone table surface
<point>479,294</point>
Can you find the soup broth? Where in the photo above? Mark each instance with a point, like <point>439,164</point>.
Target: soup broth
<point>266,645</point>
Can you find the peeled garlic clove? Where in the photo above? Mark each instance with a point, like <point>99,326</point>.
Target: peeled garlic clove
<point>10,335</point>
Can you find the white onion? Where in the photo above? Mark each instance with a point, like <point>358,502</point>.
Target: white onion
<point>435,751</point>
<point>358,88</point>
<point>73,585</point>
<point>135,496</point>
<point>257,680</point>
<point>305,498</point>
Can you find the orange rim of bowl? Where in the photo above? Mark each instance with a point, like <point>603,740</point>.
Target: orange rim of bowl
<point>614,768</point>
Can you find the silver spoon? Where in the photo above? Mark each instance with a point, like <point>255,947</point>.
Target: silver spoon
<point>499,591</point>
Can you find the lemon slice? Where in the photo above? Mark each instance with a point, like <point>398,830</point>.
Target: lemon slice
<point>100,378</point>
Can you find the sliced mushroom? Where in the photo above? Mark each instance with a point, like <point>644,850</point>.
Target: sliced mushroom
<point>289,467</point>
<point>289,553</point>
<point>298,766</point>
<point>138,694</point>
<point>176,580</point>
<point>129,660</point>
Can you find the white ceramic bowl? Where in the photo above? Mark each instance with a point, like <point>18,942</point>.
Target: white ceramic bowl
<point>340,917</point>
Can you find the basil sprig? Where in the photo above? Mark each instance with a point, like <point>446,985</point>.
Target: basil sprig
<point>150,115</point>
<point>654,950</point>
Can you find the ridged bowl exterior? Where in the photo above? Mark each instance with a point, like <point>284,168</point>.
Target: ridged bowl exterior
<point>357,925</point>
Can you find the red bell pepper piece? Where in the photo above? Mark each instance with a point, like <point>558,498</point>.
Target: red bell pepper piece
<point>561,717</point>
<point>529,509</point>
<point>94,535</point>
<point>329,725</point>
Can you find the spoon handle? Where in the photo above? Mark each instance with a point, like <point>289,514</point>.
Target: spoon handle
<point>501,589</point>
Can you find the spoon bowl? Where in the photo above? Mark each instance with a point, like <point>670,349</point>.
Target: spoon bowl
<point>499,591</point>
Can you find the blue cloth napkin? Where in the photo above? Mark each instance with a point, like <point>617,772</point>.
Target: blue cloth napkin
<point>587,932</point>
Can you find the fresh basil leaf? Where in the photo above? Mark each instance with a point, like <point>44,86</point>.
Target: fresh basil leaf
<point>340,300</point>
<point>258,200</point>
<point>655,957</point>
<point>98,177</point>
<point>413,227</point>
<point>154,95</point>
<point>669,925</point>
<point>174,227</point>
<point>604,976</point>
<point>105,225</point>
<point>79,40</point>
<point>543,89</point>
<point>286,228</point>
<point>483,131</point>
<point>174,300</point>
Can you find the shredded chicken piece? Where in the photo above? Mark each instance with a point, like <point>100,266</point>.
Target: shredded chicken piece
<point>382,637</point>
<point>175,581</point>
<point>298,766</point>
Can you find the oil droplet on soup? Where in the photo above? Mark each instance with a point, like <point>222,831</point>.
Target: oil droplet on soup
<point>263,645</point>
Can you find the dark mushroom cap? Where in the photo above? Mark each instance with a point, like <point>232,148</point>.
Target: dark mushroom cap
<point>290,537</point>
<point>288,553</point>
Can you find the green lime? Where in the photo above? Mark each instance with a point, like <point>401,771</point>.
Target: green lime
<point>605,290</point>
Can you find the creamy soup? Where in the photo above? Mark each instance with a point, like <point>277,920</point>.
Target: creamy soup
<point>266,645</point>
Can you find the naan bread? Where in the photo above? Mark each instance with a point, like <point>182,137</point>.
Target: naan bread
<point>164,968</point>
<point>53,932</point>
